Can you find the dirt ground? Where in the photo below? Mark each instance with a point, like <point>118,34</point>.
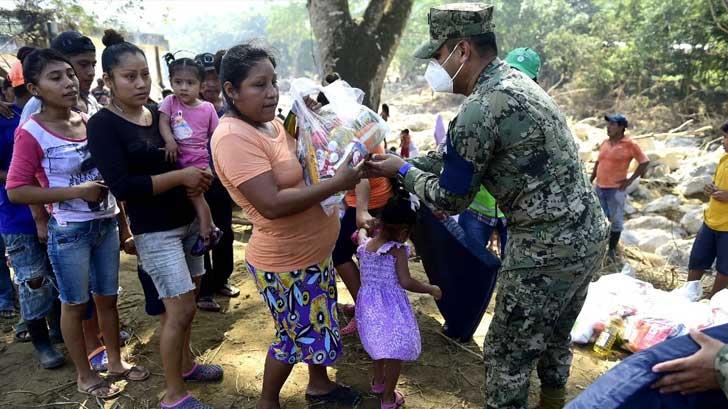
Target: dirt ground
<point>447,375</point>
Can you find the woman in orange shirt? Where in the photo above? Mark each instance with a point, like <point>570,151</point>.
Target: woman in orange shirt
<point>289,253</point>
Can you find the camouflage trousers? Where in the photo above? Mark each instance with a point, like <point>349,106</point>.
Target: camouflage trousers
<point>534,313</point>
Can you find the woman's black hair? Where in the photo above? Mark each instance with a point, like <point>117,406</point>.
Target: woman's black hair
<point>185,64</point>
<point>24,51</point>
<point>398,211</point>
<point>34,63</point>
<point>217,61</point>
<point>115,48</point>
<point>6,83</point>
<point>385,108</point>
<point>235,67</point>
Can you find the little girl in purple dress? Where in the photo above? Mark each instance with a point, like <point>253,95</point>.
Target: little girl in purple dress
<point>386,323</point>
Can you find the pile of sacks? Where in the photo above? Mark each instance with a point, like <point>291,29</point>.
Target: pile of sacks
<point>650,315</point>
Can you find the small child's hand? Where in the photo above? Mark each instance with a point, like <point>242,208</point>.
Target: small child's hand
<point>170,151</point>
<point>436,293</point>
<point>359,236</point>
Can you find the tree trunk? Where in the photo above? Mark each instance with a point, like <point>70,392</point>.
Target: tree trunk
<point>360,51</point>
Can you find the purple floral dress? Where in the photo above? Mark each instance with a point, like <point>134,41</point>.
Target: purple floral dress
<point>385,320</point>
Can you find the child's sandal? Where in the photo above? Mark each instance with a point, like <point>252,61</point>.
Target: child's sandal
<point>377,388</point>
<point>398,401</point>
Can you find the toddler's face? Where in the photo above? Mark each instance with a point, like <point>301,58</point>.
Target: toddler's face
<point>186,85</point>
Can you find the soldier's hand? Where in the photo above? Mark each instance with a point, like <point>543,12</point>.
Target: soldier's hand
<point>695,373</point>
<point>383,165</point>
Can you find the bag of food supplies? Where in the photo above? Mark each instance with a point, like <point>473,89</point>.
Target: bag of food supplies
<point>327,136</point>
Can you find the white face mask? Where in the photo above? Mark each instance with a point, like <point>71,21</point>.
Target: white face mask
<point>438,78</point>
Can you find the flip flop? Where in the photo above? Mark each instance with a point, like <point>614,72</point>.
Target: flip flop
<point>378,388</point>
<point>398,401</point>
<point>99,360</point>
<point>133,374</point>
<point>188,402</point>
<point>204,373</point>
<point>208,304</point>
<point>229,291</point>
<point>340,394</point>
<point>93,390</point>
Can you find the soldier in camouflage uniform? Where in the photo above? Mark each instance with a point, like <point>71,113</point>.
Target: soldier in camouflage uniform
<point>510,137</point>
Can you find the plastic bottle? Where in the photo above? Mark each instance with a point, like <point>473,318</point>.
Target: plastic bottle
<point>605,342</point>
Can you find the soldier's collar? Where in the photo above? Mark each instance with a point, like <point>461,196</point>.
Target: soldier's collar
<point>490,71</point>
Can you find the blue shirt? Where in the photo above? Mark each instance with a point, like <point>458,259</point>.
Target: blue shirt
<point>14,219</point>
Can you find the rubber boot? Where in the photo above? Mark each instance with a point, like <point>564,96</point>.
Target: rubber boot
<point>54,323</point>
<point>47,355</point>
<point>613,243</point>
<point>552,398</point>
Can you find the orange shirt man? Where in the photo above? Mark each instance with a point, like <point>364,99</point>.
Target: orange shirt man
<point>610,172</point>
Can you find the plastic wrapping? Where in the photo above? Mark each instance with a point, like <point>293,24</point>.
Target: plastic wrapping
<point>651,315</point>
<point>326,137</point>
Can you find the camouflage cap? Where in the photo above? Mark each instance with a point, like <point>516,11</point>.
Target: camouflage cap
<point>456,20</point>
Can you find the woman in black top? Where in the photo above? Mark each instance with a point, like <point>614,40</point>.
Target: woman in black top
<point>125,143</point>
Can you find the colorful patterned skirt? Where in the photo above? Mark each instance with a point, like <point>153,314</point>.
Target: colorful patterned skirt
<point>303,305</point>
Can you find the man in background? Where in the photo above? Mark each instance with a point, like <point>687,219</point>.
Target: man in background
<point>610,172</point>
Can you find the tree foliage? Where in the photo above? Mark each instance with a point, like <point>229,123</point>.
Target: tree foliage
<point>27,21</point>
<point>662,49</point>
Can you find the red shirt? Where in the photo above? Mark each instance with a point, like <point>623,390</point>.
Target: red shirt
<point>614,161</point>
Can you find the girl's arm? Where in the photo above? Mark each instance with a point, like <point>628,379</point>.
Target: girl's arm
<point>35,195</point>
<point>363,218</point>
<point>170,145</point>
<point>406,280</point>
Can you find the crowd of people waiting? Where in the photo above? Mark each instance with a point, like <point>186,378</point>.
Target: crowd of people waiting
<point>91,172</point>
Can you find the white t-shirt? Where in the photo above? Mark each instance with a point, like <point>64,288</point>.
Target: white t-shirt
<point>34,106</point>
<point>40,156</point>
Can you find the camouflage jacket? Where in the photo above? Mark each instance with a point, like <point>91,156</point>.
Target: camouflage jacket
<point>721,365</point>
<point>510,136</point>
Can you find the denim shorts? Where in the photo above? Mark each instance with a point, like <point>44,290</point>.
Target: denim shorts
<point>84,256</point>
<point>612,201</point>
<point>165,256</point>
<point>29,259</point>
<point>709,246</point>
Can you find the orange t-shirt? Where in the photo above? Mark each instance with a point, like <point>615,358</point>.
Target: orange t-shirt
<point>381,189</point>
<point>240,152</point>
<point>614,161</point>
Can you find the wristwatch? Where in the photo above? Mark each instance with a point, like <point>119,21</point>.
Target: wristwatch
<point>404,169</point>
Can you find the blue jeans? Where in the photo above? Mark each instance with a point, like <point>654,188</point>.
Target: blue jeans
<point>33,275</point>
<point>479,231</point>
<point>612,201</point>
<point>7,292</point>
<point>85,256</point>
